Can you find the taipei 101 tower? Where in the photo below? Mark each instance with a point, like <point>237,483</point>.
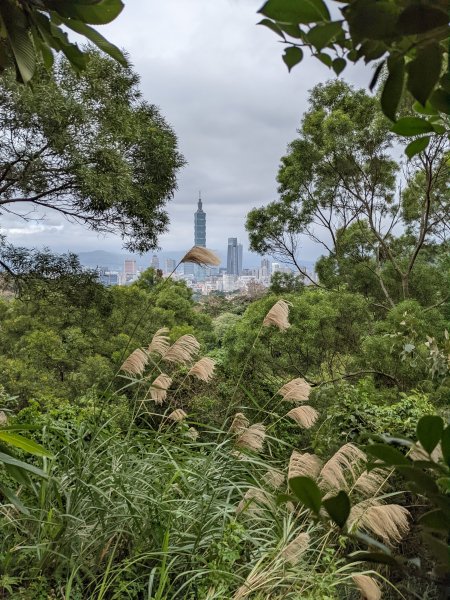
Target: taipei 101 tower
<point>200,225</point>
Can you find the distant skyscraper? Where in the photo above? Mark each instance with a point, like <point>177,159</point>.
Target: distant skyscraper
<point>234,257</point>
<point>200,225</point>
<point>169,265</point>
<point>129,267</point>
<point>265,267</point>
<point>155,262</point>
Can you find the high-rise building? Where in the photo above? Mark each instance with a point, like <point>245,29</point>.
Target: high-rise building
<point>234,257</point>
<point>155,262</point>
<point>129,267</point>
<point>169,265</point>
<point>265,268</point>
<point>200,225</point>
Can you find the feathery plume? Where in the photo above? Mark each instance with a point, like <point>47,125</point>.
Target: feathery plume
<point>158,389</point>
<point>135,364</point>
<point>3,418</point>
<point>418,452</point>
<point>297,389</point>
<point>254,581</point>
<point>370,482</point>
<point>292,552</point>
<point>201,256</point>
<point>160,342</point>
<point>203,369</point>
<point>177,415</point>
<point>254,501</point>
<point>304,465</point>
<point>278,315</point>
<point>305,416</point>
<point>239,424</point>
<point>333,472</point>
<point>388,521</point>
<point>182,350</point>
<point>192,433</point>
<point>252,438</point>
<point>274,478</point>
<point>368,587</point>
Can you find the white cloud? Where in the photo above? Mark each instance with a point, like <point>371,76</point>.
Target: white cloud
<point>32,229</point>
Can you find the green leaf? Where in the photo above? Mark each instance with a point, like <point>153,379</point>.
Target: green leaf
<point>19,39</point>
<point>424,71</point>
<point>417,146</point>
<point>339,65</point>
<point>292,30</point>
<point>374,557</point>
<point>393,87</point>
<point>96,13</point>
<point>419,18</point>
<point>434,519</point>
<point>423,482</point>
<point>412,126</point>
<point>97,39</point>
<point>322,34</point>
<point>18,441</point>
<point>376,20</point>
<point>429,431</point>
<point>338,507</point>
<point>426,109</point>
<point>306,11</point>
<point>440,99</point>
<point>283,498</point>
<point>292,56</point>
<point>324,58</point>
<point>10,460</point>
<point>273,26</point>
<point>307,491</point>
<point>438,548</point>
<point>11,496</point>
<point>387,454</point>
<point>445,445</point>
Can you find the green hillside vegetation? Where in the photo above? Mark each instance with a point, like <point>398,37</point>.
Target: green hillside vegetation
<point>287,443</point>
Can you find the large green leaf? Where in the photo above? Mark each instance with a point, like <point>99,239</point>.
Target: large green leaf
<point>97,39</point>
<point>429,431</point>
<point>440,99</point>
<point>422,483</point>
<point>417,146</point>
<point>12,497</point>
<point>424,71</point>
<point>306,11</point>
<point>19,39</point>
<point>10,460</point>
<point>389,455</point>
<point>409,126</point>
<point>98,13</point>
<point>307,491</point>
<point>292,56</point>
<point>393,87</point>
<point>322,34</point>
<point>338,507</point>
<point>18,441</point>
<point>445,445</point>
<point>419,18</point>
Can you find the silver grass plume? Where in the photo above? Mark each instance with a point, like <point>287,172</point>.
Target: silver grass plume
<point>177,415</point>
<point>278,315</point>
<point>3,418</point>
<point>334,471</point>
<point>192,433</point>
<point>254,501</point>
<point>239,423</point>
<point>160,342</point>
<point>201,256</point>
<point>135,364</point>
<point>159,387</point>
<point>252,438</point>
<point>304,465</point>
<point>370,482</point>
<point>418,452</point>
<point>388,521</point>
<point>203,369</point>
<point>368,587</point>
<point>297,390</point>
<point>274,478</point>
<point>305,416</point>
<point>293,551</point>
<point>254,581</point>
<point>183,350</point>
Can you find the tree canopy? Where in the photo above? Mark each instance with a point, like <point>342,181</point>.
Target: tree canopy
<point>90,148</point>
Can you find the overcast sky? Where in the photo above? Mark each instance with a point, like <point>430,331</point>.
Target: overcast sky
<point>220,82</point>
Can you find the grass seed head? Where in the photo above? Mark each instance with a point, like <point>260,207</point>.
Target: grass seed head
<point>158,389</point>
<point>304,465</point>
<point>293,551</point>
<point>135,364</point>
<point>274,478</point>
<point>201,256</point>
<point>239,423</point>
<point>177,415</point>
<point>297,390</point>
<point>388,521</point>
<point>252,438</point>
<point>305,416</point>
<point>3,418</point>
<point>183,350</point>
<point>333,474</point>
<point>368,587</point>
<point>370,482</point>
<point>203,369</point>
<point>160,342</point>
<point>278,315</point>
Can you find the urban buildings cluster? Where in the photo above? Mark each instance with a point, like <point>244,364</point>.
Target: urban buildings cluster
<point>203,280</point>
